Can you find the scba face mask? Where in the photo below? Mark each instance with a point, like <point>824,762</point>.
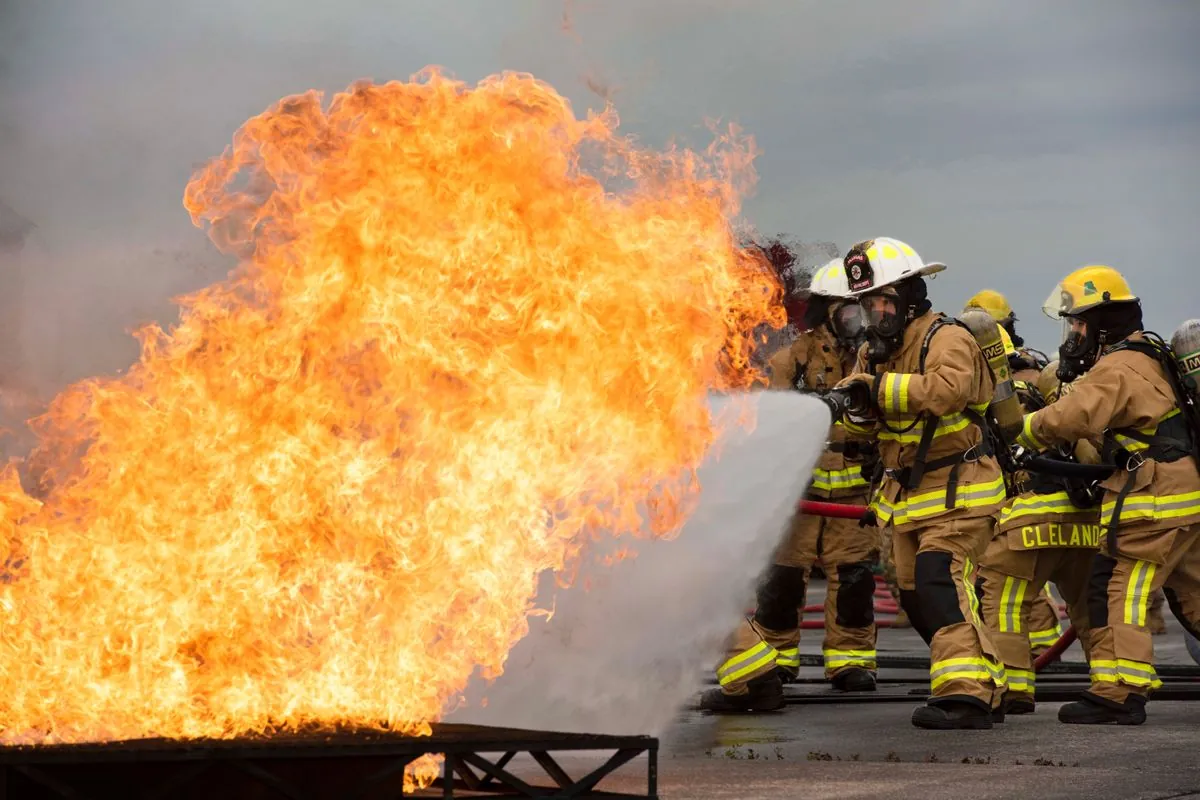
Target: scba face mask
<point>1078,349</point>
<point>883,320</point>
<point>846,321</point>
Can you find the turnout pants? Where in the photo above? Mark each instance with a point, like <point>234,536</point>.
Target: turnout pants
<point>1121,588</point>
<point>935,569</point>
<point>771,638</point>
<point>1010,581</point>
<point>1044,626</point>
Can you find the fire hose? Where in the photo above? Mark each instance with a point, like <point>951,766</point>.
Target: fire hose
<point>818,508</point>
<point>884,602</point>
<point>1055,651</point>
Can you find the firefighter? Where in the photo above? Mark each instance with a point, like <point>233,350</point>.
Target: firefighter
<point>1026,363</point>
<point>1150,512</point>
<point>921,390</point>
<point>1048,531</point>
<point>1041,618</point>
<point>765,648</point>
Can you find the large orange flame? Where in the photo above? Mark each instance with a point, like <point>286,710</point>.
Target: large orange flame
<point>468,330</point>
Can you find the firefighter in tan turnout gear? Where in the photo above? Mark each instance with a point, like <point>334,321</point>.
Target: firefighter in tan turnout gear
<point>1150,513</point>
<point>1048,531</point>
<point>921,391</point>
<point>765,648</point>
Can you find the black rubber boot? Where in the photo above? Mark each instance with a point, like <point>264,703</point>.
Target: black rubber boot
<point>1016,703</point>
<point>952,716</point>
<point>765,694</point>
<point>853,679</point>
<point>1095,710</point>
<point>786,675</point>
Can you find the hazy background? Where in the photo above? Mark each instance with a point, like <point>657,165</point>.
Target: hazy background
<point>1014,140</point>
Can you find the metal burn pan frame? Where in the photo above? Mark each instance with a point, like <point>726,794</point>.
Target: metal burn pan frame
<point>364,765</point>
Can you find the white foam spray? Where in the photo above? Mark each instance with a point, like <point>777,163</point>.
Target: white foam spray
<point>625,655</point>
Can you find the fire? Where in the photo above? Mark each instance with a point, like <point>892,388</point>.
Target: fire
<point>468,331</point>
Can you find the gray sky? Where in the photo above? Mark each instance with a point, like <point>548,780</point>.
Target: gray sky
<point>1014,140</point>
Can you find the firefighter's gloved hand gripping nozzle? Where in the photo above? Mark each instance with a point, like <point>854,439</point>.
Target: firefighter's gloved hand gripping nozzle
<point>853,400</point>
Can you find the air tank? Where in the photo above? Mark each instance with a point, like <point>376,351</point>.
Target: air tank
<point>1005,407</point>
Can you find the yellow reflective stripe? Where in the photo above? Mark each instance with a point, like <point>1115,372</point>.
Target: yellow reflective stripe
<point>1045,638</point>
<point>895,392</point>
<point>1026,438</point>
<point>747,662</point>
<point>1150,507</point>
<point>1020,680</point>
<point>1137,593</point>
<point>1133,445</point>
<point>835,659</point>
<point>969,588</point>
<point>882,508</point>
<point>829,479</point>
<point>951,423</point>
<point>972,668</point>
<point>853,427</point>
<point>788,657</point>
<point>1011,598</point>
<point>930,504</point>
<point>1037,505</point>
<point>1134,673</point>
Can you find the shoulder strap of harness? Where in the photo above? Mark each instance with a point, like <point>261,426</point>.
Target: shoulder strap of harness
<point>940,321</point>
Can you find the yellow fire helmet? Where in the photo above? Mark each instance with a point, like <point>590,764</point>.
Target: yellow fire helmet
<point>1086,288</point>
<point>993,303</point>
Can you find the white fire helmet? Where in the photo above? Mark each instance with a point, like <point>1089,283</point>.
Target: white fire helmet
<point>830,280</point>
<point>846,317</point>
<point>882,262</point>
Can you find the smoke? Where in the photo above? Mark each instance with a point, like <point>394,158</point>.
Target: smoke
<point>106,109</point>
<point>626,646</point>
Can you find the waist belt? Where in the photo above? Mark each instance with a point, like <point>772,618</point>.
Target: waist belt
<point>909,478</point>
